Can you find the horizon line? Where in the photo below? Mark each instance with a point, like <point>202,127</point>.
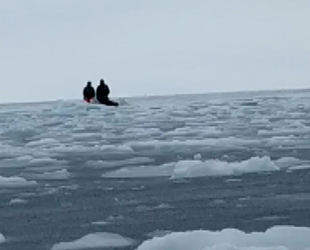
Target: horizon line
<point>166,95</point>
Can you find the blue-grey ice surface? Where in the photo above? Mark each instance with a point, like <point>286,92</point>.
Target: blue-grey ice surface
<point>199,172</point>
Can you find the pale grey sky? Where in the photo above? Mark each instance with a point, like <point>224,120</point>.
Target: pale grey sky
<point>49,49</point>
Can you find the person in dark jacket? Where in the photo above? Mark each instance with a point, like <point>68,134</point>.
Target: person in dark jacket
<point>89,92</point>
<point>102,94</point>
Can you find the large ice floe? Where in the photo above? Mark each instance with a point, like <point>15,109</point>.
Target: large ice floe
<point>15,182</point>
<point>198,168</point>
<point>52,157</point>
<point>95,240</point>
<point>275,238</point>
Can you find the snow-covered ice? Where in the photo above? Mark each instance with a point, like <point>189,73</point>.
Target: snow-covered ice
<point>167,165</point>
<point>187,169</point>
<point>300,167</point>
<point>2,239</point>
<point>276,238</point>
<point>95,240</point>
<point>197,168</point>
<point>18,201</point>
<point>46,142</point>
<point>15,182</point>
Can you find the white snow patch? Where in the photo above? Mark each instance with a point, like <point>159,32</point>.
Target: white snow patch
<point>25,158</point>
<point>18,201</point>
<point>2,239</point>
<point>96,240</point>
<point>144,208</point>
<point>15,182</point>
<point>137,188</point>
<point>163,206</point>
<point>300,167</point>
<point>245,198</point>
<point>197,157</point>
<point>49,191</point>
<point>275,238</point>
<point>46,142</point>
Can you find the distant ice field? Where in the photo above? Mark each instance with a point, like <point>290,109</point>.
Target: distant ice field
<point>201,172</point>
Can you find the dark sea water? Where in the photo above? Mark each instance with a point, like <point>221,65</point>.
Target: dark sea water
<point>153,167</point>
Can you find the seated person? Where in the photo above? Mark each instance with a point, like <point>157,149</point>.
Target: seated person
<point>102,94</point>
<point>89,92</point>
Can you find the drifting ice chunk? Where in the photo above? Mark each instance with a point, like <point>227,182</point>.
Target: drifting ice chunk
<point>300,167</point>
<point>196,168</point>
<point>43,142</point>
<point>287,162</point>
<point>13,182</point>
<point>197,157</point>
<point>276,238</point>
<point>18,201</point>
<point>190,169</point>
<point>96,240</point>
<point>2,239</point>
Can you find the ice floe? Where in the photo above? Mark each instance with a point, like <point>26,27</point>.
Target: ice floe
<point>145,208</point>
<point>46,142</point>
<point>2,239</point>
<point>95,240</point>
<point>300,167</point>
<point>197,168</point>
<point>275,238</point>
<point>15,182</point>
<point>18,201</point>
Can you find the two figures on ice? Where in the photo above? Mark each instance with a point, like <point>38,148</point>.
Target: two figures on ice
<point>101,94</point>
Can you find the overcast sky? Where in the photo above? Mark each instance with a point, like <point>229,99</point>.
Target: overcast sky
<point>49,49</point>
